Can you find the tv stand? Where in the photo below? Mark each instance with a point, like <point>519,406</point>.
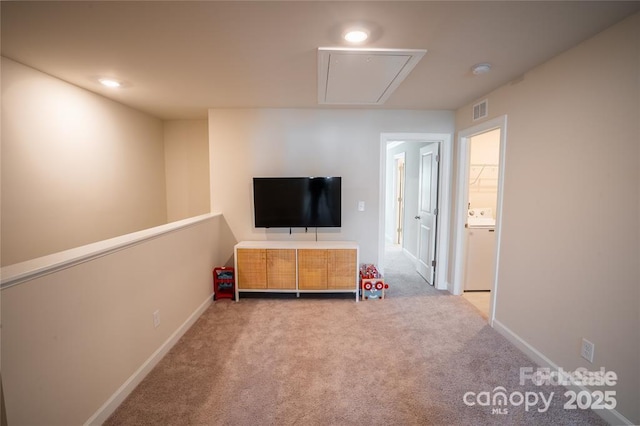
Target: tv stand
<point>296,267</point>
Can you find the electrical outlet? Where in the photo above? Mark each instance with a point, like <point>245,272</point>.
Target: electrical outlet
<point>588,349</point>
<point>156,318</point>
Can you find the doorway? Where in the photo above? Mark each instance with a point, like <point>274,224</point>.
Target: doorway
<point>413,142</point>
<point>482,201</point>
<point>398,196</point>
<point>480,181</point>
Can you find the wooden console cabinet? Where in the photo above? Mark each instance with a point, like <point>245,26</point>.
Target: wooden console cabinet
<point>296,267</point>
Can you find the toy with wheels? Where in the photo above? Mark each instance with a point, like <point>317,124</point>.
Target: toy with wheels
<point>373,288</point>
<point>372,285</point>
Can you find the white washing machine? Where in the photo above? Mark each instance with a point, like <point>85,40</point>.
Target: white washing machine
<point>480,248</point>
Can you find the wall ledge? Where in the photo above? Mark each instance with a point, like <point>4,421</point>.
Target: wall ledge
<point>28,270</point>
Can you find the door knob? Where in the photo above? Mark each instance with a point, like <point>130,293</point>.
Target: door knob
<point>417,217</point>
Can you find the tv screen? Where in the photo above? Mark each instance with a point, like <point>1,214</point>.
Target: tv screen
<point>294,202</point>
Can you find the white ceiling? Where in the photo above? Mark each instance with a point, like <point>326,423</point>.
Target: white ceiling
<point>180,58</point>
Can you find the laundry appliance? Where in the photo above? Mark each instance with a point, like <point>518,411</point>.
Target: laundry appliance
<point>480,249</point>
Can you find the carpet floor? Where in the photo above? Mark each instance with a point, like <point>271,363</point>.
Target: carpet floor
<point>406,360</point>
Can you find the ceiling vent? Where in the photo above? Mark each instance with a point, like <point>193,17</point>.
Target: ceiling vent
<point>356,76</point>
<point>480,110</point>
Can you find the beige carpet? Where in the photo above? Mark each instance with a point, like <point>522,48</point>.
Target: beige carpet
<point>406,360</point>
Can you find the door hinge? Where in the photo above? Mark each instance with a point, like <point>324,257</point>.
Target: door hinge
<point>435,211</point>
<point>433,263</point>
<point>437,158</point>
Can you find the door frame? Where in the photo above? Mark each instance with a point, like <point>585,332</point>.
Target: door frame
<point>462,198</point>
<point>399,192</point>
<point>444,202</point>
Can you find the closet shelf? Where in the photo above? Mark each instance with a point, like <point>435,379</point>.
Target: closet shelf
<point>483,176</point>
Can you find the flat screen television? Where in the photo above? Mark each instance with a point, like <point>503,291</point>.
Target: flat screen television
<point>297,202</point>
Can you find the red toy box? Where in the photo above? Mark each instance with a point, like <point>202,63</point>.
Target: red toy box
<point>223,283</point>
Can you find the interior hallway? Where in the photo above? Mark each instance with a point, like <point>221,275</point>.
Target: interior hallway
<point>397,263</point>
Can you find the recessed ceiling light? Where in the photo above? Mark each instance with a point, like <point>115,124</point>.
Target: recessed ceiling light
<point>482,68</point>
<point>110,82</point>
<point>357,35</point>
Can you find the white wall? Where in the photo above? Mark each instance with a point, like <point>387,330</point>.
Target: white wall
<point>308,142</point>
<point>570,238</point>
<point>76,167</point>
<point>186,150</point>
<point>73,337</point>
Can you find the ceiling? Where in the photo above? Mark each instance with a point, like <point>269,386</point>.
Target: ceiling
<point>179,58</point>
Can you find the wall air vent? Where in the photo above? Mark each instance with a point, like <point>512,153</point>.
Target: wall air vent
<point>481,110</point>
<point>357,76</point>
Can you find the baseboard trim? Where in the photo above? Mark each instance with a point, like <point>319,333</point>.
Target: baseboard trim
<point>103,413</point>
<point>613,417</point>
<point>409,255</point>
<point>444,286</point>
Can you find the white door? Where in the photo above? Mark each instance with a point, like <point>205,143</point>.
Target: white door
<point>427,211</point>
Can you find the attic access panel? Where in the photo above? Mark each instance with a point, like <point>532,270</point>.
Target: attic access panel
<point>351,76</point>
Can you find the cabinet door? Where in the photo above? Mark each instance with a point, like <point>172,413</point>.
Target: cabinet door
<point>281,269</point>
<point>341,269</point>
<point>312,269</point>
<point>252,268</point>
